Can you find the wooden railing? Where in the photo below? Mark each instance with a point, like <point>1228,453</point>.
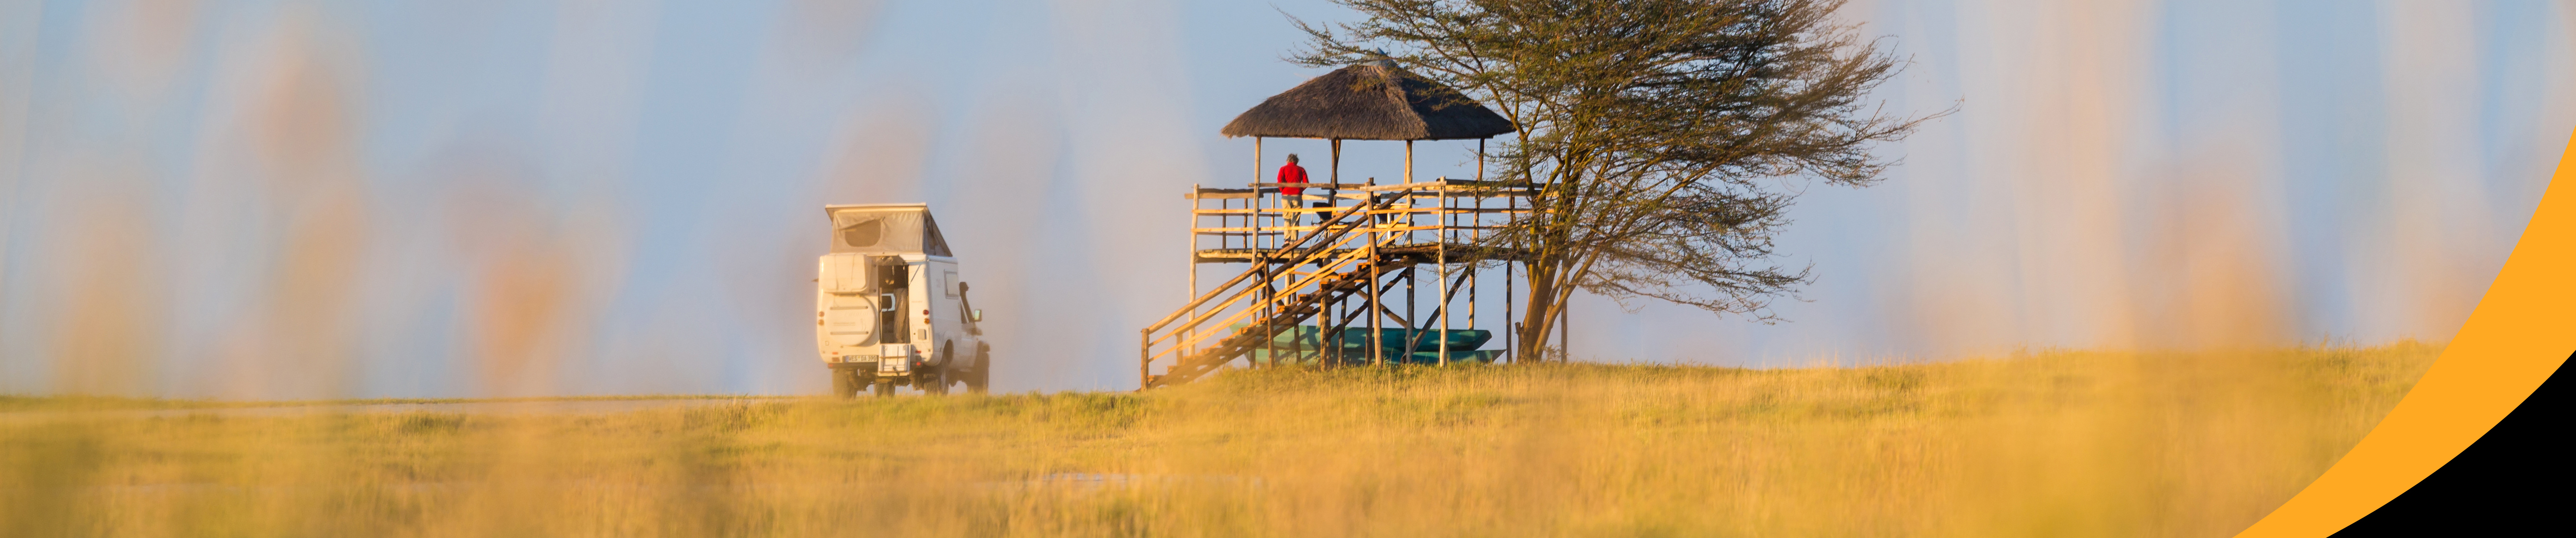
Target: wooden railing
<point>1254,292</point>
<point>1348,250</point>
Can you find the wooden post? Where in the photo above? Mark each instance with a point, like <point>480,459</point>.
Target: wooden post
<point>1441,256</point>
<point>1408,161</point>
<point>1334,195</point>
<point>1337,161</point>
<point>1253,241</point>
<point>1193,253</point>
<point>1474,272</point>
<point>1510,309</point>
<point>1374,309</point>
<point>1269,317</point>
<point>1271,292</point>
<point>1260,257</point>
<point>1413,318</point>
<point>1476,235</point>
<point>1296,336</point>
<point>1328,349</point>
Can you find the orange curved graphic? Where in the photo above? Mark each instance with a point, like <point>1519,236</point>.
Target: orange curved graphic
<point>2520,333</point>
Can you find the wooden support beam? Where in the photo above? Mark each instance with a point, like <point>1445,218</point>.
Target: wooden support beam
<point>1390,312</point>
<point>1258,230</point>
<point>1194,246</point>
<point>1400,208</point>
<point>1268,186</point>
<point>1436,315</point>
<point>1233,211</point>
<point>1212,194</point>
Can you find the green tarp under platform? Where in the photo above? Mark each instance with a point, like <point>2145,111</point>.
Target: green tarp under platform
<point>1307,344</point>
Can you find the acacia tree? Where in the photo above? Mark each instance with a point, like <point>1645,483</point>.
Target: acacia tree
<point>1664,138</point>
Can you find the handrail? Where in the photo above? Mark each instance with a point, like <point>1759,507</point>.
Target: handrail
<point>1334,231</point>
<point>1445,185</point>
<point>1323,186</point>
<point>1351,251</point>
<point>1308,257</point>
<point>1202,319</point>
<point>1238,279</point>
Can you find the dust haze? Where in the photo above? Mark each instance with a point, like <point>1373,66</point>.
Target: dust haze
<point>316,200</point>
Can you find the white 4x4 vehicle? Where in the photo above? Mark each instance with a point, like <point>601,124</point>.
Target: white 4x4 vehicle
<point>889,309</point>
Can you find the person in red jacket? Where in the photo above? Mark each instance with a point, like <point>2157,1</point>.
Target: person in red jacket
<point>1291,197</point>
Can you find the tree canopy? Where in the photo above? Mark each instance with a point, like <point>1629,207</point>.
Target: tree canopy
<point>1666,138</point>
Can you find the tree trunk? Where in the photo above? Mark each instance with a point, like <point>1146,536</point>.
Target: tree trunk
<point>1540,315</point>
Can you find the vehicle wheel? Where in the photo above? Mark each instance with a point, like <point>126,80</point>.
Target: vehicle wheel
<point>934,382</point>
<point>941,377</point>
<point>981,380</point>
<point>885,388</point>
<point>845,383</point>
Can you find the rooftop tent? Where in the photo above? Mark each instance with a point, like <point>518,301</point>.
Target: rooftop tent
<point>1370,101</point>
<point>886,229</point>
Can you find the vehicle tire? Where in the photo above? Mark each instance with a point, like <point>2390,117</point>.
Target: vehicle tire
<point>940,378</point>
<point>845,383</point>
<point>934,382</point>
<point>981,380</point>
<point>885,388</point>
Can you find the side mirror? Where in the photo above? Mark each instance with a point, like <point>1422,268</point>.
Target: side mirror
<point>977,315</point>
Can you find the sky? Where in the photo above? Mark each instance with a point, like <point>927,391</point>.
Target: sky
<point>309,199</point>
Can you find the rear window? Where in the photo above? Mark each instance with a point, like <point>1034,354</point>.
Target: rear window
<point>864,233</point>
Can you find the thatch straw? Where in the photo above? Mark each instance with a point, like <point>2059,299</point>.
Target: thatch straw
<point>1359,103</point>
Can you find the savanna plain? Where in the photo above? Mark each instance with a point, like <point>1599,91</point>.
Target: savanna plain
<point>2030,444</point>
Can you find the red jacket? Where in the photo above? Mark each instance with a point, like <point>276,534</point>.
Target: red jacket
<point>1291,173</point>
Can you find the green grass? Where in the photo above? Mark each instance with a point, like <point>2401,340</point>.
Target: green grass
<point>2044,444</point>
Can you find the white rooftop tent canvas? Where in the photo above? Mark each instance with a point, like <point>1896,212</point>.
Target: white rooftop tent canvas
<point>886,229</point>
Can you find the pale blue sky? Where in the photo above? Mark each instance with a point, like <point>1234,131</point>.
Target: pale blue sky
<point>300,199</point>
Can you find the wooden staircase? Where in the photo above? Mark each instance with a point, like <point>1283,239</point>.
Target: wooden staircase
<point>1349,258</point>
<point>1286,316</point>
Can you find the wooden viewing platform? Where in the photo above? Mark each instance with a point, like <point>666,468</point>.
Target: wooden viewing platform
<point>1433,216</point>
<point>1428,252</point>
<point>1343,256</point>
<point>1339,255</point>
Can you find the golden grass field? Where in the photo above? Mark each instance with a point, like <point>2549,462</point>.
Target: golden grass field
<point>2038,444</point>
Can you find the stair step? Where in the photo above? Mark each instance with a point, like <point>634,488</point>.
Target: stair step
<point>1323,287</point>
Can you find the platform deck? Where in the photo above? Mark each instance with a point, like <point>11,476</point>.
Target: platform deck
<point>1423,252</point>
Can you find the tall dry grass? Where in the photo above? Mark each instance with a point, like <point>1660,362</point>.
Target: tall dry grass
<point>2042,444</point>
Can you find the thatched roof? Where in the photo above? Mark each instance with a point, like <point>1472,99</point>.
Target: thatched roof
<point>1359,103</point>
